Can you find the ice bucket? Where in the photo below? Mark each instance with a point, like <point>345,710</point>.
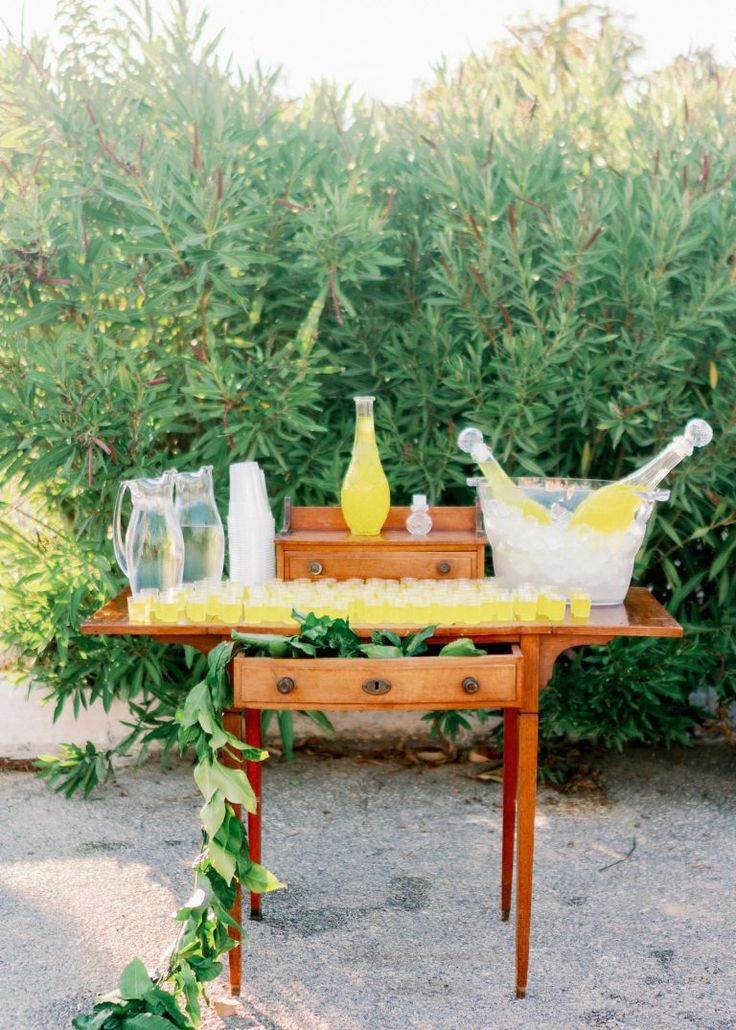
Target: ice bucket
<point>557,553</point>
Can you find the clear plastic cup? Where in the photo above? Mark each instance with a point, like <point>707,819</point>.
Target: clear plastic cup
<point>554,605</point>
<point>139,608</point>
<point>580,603</point>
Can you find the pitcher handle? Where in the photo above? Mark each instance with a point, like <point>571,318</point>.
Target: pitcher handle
<point>117,535</point>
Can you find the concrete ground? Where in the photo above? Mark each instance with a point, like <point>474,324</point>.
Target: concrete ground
<point>390,919</point>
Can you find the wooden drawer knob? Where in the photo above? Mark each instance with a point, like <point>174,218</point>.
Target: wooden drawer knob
<point>444,567</point>
<point>316,567</point>
<point>285,685</point>
<point>471,685</point>
<point>376,687</point>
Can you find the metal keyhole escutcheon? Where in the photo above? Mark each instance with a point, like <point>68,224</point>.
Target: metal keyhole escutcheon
<point>471,685</point>
<point>376,687</point>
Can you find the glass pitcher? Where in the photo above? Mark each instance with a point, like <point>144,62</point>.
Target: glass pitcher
<point>152,554</point>
<point>201,525</point>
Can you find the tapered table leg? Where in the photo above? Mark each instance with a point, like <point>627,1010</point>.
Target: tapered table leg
<point>253,772</point>
<point>527,795</point>
<point>510,778</point>
<point>232,722</point>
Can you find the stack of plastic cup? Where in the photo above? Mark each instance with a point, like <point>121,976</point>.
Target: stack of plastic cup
<point>250,526</point>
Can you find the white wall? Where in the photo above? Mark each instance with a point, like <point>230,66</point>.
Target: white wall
<point>27,730</point>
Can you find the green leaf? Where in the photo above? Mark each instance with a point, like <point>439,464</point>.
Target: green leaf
<point>286,730</point>
<point>415,644</point>
<point>221,860</point>
<point>260,880</point>
<point>233,783</point>
<point>462,647</point>
<point>381,651</point>
<point>212,813</point>
<point>134,980</point>
<point>148,1021</point>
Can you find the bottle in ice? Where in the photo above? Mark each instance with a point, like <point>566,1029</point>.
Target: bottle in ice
<point>612,508</point>
<point>365,498</point>
<point>503,488</point>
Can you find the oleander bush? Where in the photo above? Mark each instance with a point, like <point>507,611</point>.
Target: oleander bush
<point>197,269</point>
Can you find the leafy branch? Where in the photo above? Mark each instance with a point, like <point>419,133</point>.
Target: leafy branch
<point>173,997</point>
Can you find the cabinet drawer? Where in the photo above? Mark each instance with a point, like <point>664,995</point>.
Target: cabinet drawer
<point>380,564</point>
<point>335,683</point>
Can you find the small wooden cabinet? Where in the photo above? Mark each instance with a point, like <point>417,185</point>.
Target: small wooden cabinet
<point>316,544</point>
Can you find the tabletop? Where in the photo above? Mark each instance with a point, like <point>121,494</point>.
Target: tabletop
<point>641,615</point>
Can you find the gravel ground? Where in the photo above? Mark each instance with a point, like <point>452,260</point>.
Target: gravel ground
<point>390,919</point>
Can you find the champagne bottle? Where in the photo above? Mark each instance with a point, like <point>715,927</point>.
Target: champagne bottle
<point>611,508</point>
<point>504,488</point>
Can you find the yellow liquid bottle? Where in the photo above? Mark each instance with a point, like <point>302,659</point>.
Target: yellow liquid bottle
<point>504,489</point>
<point>611,508</point>
<point>365,498</point>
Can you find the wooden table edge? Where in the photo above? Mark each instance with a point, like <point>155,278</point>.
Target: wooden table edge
<point>111,620</point>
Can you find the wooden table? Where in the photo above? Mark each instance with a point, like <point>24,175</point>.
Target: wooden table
<point>510,680</point>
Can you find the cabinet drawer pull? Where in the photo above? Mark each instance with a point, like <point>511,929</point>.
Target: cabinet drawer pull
<point>285,685</point>
<point>471,685</point>
<point>376,686</point>
<point>315,567</point>
<point>443,567</point>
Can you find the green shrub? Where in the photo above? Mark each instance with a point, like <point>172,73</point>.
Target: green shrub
<point>195,269</point>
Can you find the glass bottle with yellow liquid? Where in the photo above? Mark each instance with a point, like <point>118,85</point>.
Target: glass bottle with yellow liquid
<point>365,498</point>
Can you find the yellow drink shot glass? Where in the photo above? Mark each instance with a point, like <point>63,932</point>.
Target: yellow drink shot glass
<point>167,608</point>
<point>525,605</point>
<point>139,608</point>
<point>196,610</point>
<point>580,604</point>
<point>230,611</point>
<point>555,606</point>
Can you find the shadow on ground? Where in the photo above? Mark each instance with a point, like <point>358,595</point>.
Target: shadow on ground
<point>391,915</point>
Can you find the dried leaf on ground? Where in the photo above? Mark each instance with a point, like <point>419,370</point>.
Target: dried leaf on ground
<point>485,775</point>
<point>226,1007</point>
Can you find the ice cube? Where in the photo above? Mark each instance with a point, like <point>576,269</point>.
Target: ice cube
<point>559,513</point>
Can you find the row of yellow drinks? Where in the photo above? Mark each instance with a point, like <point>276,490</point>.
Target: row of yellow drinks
<point>379,602</point>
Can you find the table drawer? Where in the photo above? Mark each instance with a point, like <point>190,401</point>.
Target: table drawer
<point>380,564</point>
<point>333,683</point>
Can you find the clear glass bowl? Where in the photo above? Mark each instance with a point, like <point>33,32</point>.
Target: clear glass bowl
<point>560,554</point>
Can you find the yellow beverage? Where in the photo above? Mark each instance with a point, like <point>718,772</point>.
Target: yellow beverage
<point>139,609</point>
<point>253,615</point>
<point>525,607</point>
<point>580,604</point>
<point>230,611</point>
<point>505,607</point>
<point>609,509</point>
<point>555,607</point>
<point>365,498</point>
<point>166,610</point>
<point>196,610</point>
<point>506,491</point>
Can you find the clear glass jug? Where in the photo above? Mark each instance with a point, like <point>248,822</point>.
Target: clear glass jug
<point>201,525</point>
<point>152,553</point>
